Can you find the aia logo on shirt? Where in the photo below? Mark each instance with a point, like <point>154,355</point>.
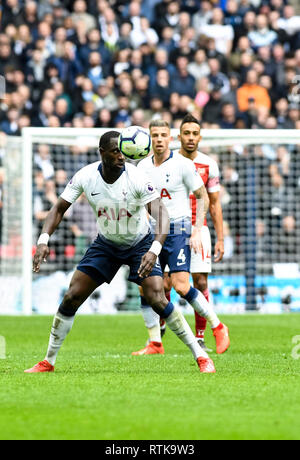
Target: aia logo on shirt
<point>165,194</point>
<point>113,214</point>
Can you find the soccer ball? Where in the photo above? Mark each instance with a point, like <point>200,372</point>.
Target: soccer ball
<point>134,142</point>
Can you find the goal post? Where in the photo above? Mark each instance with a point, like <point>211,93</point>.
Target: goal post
<point>247,159</point>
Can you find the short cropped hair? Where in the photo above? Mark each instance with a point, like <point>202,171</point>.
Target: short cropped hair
<point>159,124</point>
<point>105,139</point>
<point>189,118</point>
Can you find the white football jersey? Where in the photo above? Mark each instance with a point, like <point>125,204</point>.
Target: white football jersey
<point>119,207</point>
<point>174,180</point>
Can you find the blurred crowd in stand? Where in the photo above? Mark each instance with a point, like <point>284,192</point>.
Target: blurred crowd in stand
<point>233,64</point>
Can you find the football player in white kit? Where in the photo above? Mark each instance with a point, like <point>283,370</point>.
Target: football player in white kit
<point>175,177</point>
<point>119,195</point>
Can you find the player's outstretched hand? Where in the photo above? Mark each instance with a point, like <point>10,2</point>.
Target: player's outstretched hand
<point>42,252</point>
<point>195,240</point>
<point>147,264</point>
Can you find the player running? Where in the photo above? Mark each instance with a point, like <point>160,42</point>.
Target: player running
<point>119,196</point>
<point>175,177</point>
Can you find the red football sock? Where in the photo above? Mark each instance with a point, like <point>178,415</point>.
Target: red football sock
<point>200,322</point>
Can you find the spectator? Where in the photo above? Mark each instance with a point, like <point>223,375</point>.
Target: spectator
<point>283,119</point>
<point>288,240</point>
<point>46,109</point>
<point>124,40</point>
<point>12,13</point>
<point>290,23</point>
<point>182,81</point>
<point>161,61</point>
<point>282,201</point>
<point>95,71</point>
<point>68,65</point>
<point>10,125</point>
<point>167,41</point>
<point>263,246</point>
<point>80,14</point>
<point>294,113</point>
<point>170,17</point>
<point>36,67</point>
<point>233,15</point>
<point>228,116</point>
<point>7,57</point>
<point>61,111</point>
<point>42,159</point>
<point>231,97</point>
<point>252,91</point>
<point>216,77</point>
<point>166,49</point>
<point>279,65</point>
<point>199,67</point>
<point>145,34</point>
<point>94,44</point>
<point>262,36</point>
<point>212,110</point>
<point>243,46</point>
<point>104,119</point>
<point>109,28</point>
<point>161,88</point>
<point>203,16</point>
<point>223,34</point>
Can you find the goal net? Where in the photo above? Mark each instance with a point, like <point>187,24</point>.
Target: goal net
<point>260,187</point>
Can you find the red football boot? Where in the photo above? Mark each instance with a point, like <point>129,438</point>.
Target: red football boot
<point>43,366</point>
<point>221,335</point>
<point>153,348</point>
<point>206,365</point>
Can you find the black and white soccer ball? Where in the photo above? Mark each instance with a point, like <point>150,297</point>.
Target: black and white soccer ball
<point>134,142</point>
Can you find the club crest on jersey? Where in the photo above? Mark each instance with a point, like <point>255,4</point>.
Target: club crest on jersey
<point>201,171</point>
<point>150,188</point>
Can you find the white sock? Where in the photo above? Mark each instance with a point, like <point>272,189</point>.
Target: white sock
<point>200,304</point>
<point>151,319</point>
<point>60,328</point>
<point>178,324</point>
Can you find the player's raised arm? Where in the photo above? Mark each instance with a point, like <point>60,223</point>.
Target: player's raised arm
<point>51,223</point>
<point>158,211</point>
<point>201,211</point>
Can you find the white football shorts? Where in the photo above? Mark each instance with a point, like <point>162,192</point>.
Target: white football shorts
<point>201,262</point>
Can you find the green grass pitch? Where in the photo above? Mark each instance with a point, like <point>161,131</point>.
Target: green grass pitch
<point>100,391</point>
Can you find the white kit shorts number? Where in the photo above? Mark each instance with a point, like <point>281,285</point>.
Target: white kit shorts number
<point>201,262</point>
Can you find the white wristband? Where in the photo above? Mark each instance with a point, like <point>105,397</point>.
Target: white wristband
<point>156,248</point>
<point>43,239</point>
